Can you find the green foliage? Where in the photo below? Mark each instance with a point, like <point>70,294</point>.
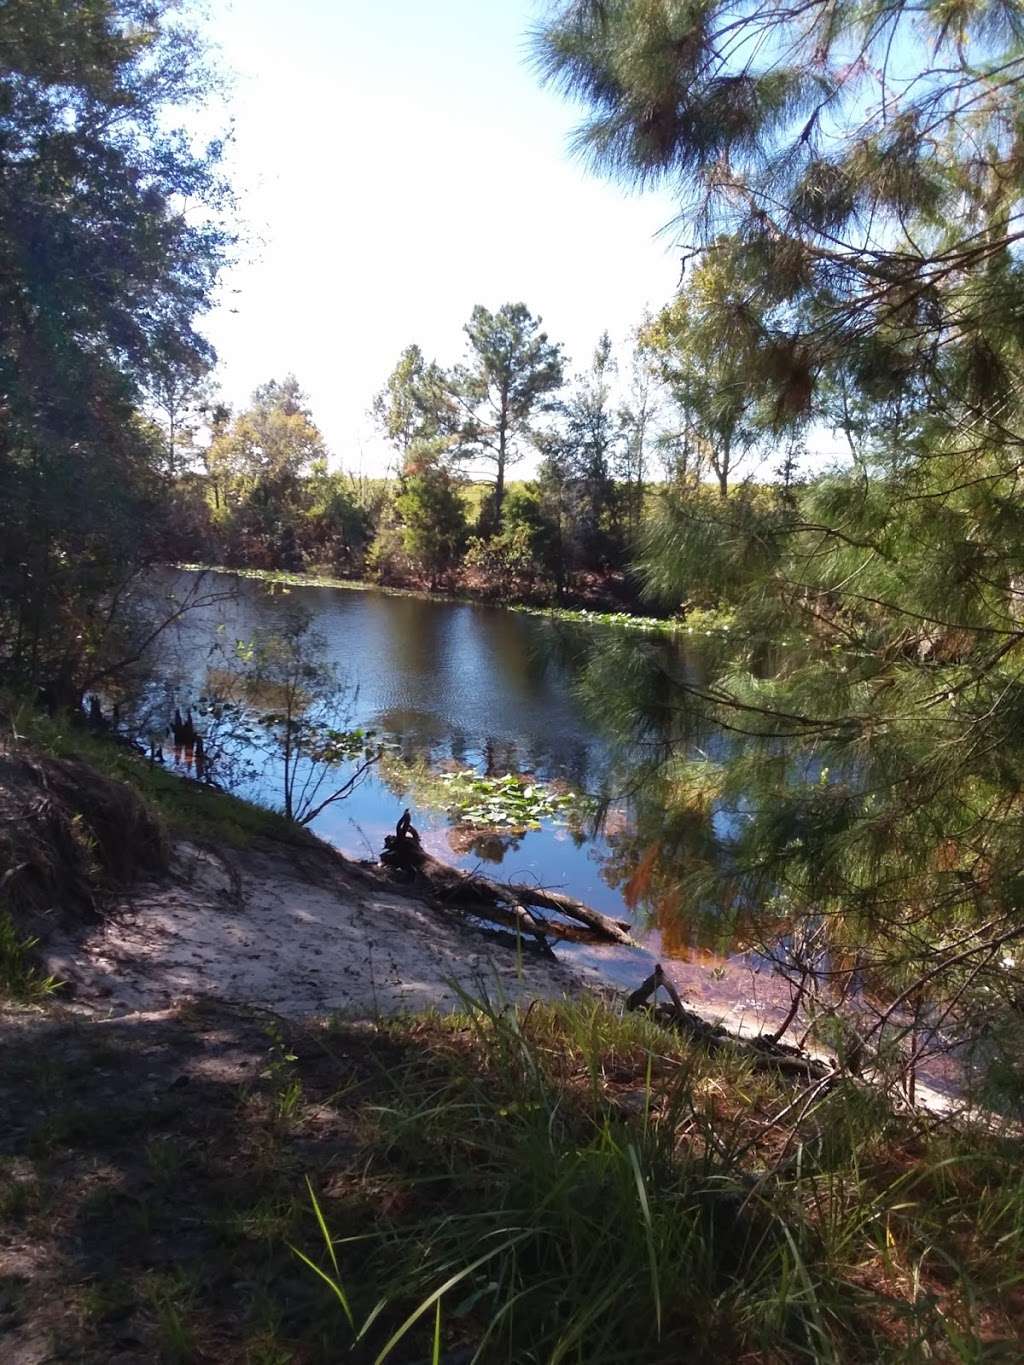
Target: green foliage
<point>505,559</point>
<point>433,521</point>
<point>850,176</point>
<point>187,808</point>
<point>700,345</point>
<point>635,1198</point>
<point>578,491</point>
<point>339,517</point>
<point>509,378</point>
<point>273,442</point>
<point>20,978</point>
<point>557,1214</point>
<point>507,801</point>
<point>103,279</point>
<point>623,620</point>
<point>475,801</point>
<point>298,705</point>
<point>417,403</point>
<point>268,473</point>
<point>852,179</point>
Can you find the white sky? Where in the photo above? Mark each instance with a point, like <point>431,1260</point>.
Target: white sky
<point>397,162</point>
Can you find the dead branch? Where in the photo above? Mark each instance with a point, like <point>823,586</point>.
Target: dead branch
<point>506,903</point>
<point>765,1053</point>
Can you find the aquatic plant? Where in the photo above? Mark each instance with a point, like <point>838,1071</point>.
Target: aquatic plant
<point>512,802</point>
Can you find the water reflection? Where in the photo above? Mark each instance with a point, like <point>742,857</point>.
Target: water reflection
<point>462,685</point>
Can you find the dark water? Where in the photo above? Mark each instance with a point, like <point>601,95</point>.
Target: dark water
<point>469,686</point>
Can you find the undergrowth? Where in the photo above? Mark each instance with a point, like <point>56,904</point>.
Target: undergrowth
<point>557,1184</point>
<point>20,977</point>
<point>579,1187</point>
<point>188,808</point>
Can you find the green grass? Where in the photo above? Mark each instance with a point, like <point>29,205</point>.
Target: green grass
<point>556,1184</point>
<point>582,1188</point>
<point>187,808</point>
<point>20,978</point>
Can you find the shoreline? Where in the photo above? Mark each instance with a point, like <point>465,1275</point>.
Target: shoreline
<point>709,623</point>
<point>304,933</point>
<point>229,904</point>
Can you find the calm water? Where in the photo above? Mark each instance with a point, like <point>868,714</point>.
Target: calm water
<point>463,685</point>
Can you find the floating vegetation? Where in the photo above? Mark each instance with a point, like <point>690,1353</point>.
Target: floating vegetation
<point>623,620</point>
<point>512,802</point>
<point>509,801</point>
<point>696,622</point>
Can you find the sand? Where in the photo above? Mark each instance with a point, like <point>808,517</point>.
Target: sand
<point>263,928</point>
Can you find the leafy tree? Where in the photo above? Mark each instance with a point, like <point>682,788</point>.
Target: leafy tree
<point>433,518</point>
<point>557,541</point>
<point>638,420</point>
<point>297,707</point>
<point>722,414</point>
<point>510,377</point>
<point>506,559</point>
<point>260,462</point>
<point>338,523</point>
<point>102,276</point>
<point>273,442</point>
<point>585,445</point>
<point>181,399</point>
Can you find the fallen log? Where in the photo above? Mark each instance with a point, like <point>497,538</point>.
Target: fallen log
<point>764,1051</point>
<point>405,856</point>
<point>518,917</point>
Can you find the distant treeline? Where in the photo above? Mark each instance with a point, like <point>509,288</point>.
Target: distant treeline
<point>255,488</point>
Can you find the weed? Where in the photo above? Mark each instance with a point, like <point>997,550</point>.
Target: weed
<point>20,978</point>
<point>19,1193</point>
<point>107,1300</point>
<point>166,1159</point>
<point>285,1082</point>
<point>189,808</point>
<point>171,1299</point>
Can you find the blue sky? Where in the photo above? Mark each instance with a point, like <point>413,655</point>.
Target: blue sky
<point>397,162</point>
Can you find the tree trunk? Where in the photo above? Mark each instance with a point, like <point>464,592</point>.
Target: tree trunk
<point>499,483</point>
<point>404,854</point>
<point>722,467</point>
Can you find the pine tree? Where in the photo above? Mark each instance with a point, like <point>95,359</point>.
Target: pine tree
<point>850,177</point>
<point>510,377</point>
<point>433,515</point>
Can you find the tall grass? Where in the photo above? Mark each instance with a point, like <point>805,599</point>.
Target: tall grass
<point>187,808</point>
<point>581,1189</point>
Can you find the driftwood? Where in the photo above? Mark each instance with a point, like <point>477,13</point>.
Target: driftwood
<point>765,1052</point>
<point>512,904</point>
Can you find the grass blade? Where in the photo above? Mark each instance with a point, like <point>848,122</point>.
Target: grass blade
<point>652,1256</point>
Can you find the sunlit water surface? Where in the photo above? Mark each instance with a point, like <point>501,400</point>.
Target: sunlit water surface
<point>471,686</point>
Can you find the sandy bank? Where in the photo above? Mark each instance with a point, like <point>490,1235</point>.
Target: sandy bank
<point>295,931</point>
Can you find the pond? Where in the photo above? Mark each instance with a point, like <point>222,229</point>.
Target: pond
<point>456,685</point>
